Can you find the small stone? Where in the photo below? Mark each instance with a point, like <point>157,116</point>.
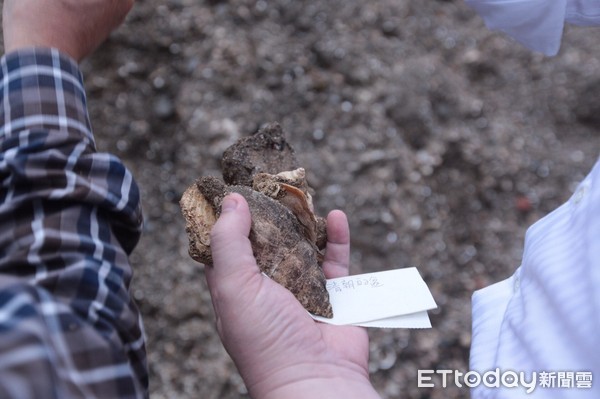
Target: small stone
<point>164,107</point>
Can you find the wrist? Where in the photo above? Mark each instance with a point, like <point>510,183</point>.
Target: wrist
<point>331,388</point>
<point>315,381</point>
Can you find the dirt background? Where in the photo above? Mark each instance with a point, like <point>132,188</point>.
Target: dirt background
<point>441,140</point>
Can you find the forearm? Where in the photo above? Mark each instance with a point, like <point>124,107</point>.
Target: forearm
<point>73,27</point>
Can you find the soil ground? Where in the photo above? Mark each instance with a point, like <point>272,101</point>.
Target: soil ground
<point>441,140</point>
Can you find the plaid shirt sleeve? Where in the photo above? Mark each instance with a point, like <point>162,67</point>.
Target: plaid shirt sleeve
<point>69,217</point>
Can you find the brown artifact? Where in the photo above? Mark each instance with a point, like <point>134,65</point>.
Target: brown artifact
<point>286,235</point>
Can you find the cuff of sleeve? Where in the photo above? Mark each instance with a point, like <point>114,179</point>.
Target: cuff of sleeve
<point>42,56</point>
<point>536,24</point>
<point>41,88</point>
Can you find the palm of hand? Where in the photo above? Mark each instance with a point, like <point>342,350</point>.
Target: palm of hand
<point>269,335</point>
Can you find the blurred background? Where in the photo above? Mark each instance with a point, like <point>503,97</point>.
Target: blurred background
<point>442,142</point>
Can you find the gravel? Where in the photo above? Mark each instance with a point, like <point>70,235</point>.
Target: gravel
<point>442,141</point>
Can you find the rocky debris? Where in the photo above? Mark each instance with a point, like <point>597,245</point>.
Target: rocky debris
<point>265,151</point>
<point>412,117</point>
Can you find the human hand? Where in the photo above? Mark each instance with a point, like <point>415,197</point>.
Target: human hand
<point>75,27</point>
<point>279,350</point>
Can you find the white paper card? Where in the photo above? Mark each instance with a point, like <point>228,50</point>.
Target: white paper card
<point>415,320</point>
<point>389,299</point>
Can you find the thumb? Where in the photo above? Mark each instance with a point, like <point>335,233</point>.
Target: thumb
<point>231,249</point>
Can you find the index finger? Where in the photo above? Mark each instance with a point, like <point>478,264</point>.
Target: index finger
<point>337,251</point>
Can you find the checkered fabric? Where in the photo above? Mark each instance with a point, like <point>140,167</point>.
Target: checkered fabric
<point>69,217</point>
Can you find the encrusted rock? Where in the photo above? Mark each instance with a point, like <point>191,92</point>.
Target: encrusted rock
<point>285,234</point>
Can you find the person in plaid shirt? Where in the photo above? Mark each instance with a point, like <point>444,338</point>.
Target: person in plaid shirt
<point>69,218</point>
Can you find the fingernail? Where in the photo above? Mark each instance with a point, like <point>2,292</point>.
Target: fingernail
<point>229,204</point>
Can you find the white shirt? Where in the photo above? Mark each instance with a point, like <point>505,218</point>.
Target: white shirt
<point>546,317</point>
<point>537,24</point>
